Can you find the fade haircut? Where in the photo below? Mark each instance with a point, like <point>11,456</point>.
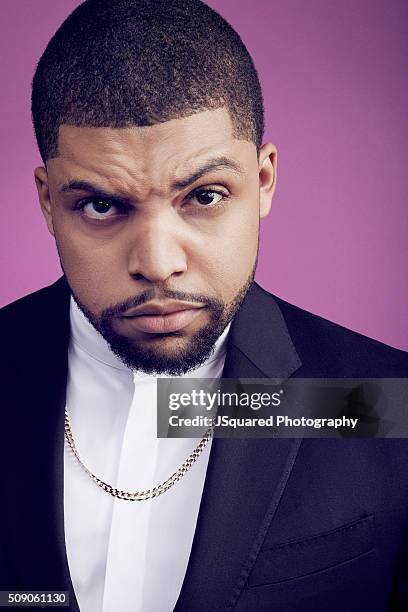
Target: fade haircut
<point>121,63</point>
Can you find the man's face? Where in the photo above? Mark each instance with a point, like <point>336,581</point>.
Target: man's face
<point>157,231</point>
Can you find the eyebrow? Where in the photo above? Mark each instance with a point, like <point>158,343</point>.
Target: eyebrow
<point>92,189</point>
<point>218,163</point>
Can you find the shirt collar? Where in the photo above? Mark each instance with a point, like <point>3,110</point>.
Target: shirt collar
<point>86,337</point>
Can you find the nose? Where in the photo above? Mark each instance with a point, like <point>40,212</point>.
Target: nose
<point>157,249</point>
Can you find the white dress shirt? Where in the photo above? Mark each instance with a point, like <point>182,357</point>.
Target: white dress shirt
<point>125,556</point>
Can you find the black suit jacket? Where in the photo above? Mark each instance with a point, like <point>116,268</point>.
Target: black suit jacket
<point>284,524</point>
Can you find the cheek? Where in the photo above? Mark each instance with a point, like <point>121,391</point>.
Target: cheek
<point>93,269</point>
<point>228,257</point>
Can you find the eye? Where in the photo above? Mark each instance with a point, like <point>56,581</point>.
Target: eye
<point>99,208</point>
<point>208,197</point>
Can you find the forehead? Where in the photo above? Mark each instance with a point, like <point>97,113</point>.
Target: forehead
<point>154,154</point>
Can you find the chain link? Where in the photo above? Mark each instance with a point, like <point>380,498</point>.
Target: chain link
<point>149,493</point>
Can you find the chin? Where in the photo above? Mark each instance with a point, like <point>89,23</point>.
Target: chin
<point>168,354</point>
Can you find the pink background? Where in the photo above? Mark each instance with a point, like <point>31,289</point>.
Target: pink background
<point>335,81</point>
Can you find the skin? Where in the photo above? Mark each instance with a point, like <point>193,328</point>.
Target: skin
<point>167,236</point>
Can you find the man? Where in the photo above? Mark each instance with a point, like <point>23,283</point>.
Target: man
<point>149,120</point>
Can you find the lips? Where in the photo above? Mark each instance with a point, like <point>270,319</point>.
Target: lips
<point>161,318</point>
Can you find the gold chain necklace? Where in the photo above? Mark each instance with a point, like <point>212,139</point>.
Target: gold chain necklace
<point>149,493</point>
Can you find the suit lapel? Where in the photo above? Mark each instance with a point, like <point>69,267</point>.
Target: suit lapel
<point>259,343</point>
<point>245,478</point>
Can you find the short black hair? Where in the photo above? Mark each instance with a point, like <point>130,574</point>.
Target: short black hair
<point>118,63</point>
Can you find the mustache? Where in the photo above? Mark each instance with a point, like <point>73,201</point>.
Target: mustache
<point>150,294</point>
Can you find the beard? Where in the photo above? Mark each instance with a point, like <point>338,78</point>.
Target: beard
<point>185,356</point>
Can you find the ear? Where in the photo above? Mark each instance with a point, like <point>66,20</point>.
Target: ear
<point>267,177</point>
<point>41,181</point>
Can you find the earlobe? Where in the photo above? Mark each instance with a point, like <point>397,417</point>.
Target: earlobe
<point>41,181</point>
<point>267,177</point>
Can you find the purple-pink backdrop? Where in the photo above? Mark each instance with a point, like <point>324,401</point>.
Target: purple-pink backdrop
<point>335,81</point>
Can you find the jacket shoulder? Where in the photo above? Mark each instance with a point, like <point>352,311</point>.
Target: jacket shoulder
<point>328,349</point>
<point>39,320</point>
<point>37,299</point>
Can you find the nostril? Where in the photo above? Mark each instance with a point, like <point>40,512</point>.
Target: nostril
<point>138,276</point>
